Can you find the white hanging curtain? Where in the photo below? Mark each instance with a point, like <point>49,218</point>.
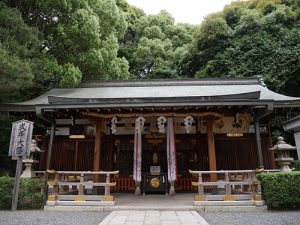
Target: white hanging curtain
<point>171,151</point>
<point>137,162</point>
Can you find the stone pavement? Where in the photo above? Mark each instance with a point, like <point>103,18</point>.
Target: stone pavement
<point>153,218</point>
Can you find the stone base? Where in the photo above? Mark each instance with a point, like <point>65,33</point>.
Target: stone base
<point>229,203</point>
<point>137,191</point>
<point>29,172</point>
<point>200,198</point>
<point>172,190</point>
<point>229,198</point>
<point>79,203</point>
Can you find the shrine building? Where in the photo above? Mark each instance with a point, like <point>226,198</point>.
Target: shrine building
<point>156,127</point>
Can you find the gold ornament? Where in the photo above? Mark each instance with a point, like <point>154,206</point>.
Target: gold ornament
<point>155,182</point>
<point>155,158</point>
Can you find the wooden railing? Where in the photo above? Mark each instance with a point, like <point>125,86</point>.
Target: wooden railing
<point>123,183</point>
<point>185,184</point>
<point>230,185</point>
<point>126,183</point>
<point>80,185</point>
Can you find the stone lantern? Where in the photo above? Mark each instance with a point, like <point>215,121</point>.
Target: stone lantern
<point>282,154</point>
<point>29,161</point>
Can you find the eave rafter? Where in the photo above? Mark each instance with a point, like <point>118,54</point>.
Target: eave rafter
<point>154,114</point>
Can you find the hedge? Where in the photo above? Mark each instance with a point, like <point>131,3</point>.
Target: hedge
<point>281,190</point>
<point>31,194</point>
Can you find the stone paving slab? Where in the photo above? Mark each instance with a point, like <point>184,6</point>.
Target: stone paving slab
<point>153,218</point>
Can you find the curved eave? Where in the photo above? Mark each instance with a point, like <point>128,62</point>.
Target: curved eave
<point>152,102</point>
<point>287,104</point>
<point>156,103</point>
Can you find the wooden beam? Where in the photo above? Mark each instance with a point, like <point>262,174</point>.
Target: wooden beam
<point>97,150</point>
<point>211,150</point>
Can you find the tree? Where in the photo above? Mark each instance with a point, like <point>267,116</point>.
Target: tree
<point>211,37</point>
<point>153,46</point>
<point>18,45</point>
<point>60,42</point>
<point>247,39</point>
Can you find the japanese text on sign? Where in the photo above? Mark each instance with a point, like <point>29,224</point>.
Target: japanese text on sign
<point>20,139</point>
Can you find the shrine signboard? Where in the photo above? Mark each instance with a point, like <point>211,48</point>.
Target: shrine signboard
<point>20,141</point>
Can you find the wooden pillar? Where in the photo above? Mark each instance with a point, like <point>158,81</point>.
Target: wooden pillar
<point>76,154</point>
<point>211,150</point>
<point>271,153</point>
<point>258,144</point>
<point>50,146</point>
<point>97,150</point>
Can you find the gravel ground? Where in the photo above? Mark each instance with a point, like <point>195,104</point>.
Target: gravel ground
<point>36,217</point>
<point>253,218</point>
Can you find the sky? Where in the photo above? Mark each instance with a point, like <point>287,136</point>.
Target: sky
<point>184,11</point>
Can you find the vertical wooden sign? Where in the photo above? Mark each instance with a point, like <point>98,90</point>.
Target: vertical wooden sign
<point>20,141</point>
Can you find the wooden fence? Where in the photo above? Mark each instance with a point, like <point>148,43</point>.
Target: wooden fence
<point>123,183</point>
<point>230,185</point>
<point>80,186</point>
<point>126,183</point>
<point>183,184</point>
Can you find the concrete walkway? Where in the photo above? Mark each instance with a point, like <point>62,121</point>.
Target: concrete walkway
<point>153,218</point>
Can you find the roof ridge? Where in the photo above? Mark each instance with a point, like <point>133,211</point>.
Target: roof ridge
<point>170,82</point>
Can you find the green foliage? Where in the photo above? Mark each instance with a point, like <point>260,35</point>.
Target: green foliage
<point>281,190</point>
<point>85,34</point>
<point>71,76</point>
<point>5,127</point>
<point>211,38</point>
<point>152,44</point>
<point>65,42</point>
<point>6,188</point>
<point>18,44</point>
<point>60,42</point>
<point>16,75</point>
<point>31,194</point>
<point>256,37</point>
<point>296,164</point>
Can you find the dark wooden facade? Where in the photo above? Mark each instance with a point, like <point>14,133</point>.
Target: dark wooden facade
<point>237,153</point>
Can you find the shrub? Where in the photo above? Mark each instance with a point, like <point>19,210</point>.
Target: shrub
<point>281,190</point>
<point>31,193</point>
<point>6,187</point>
<point>296,164</point>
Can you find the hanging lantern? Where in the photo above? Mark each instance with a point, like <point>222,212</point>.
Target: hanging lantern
<point>113,128</point>
<point>161,124</point>
<point>139,122</point>
<point>188,122</point>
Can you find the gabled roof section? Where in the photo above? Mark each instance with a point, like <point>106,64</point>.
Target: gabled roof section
<point>155,92</point>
